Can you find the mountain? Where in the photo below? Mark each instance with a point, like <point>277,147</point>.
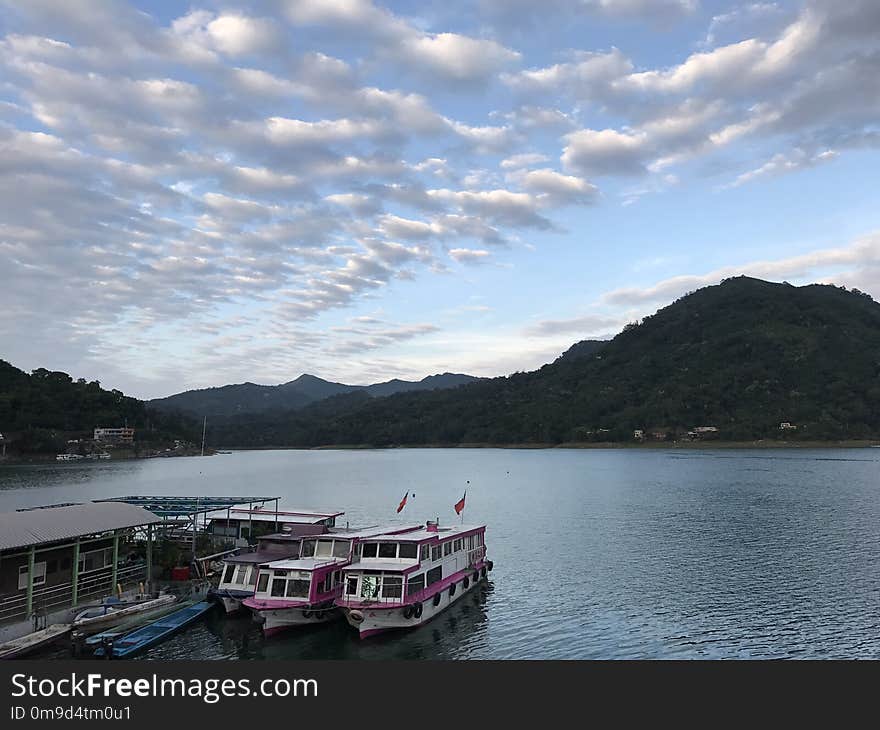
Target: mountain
<point>432,382</point>
<point>249,398</point>
<point>742,356</point>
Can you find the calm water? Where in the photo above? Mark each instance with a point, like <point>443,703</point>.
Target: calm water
<point>598,554</point>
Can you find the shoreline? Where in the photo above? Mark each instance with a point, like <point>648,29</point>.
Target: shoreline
<point>659,445</point>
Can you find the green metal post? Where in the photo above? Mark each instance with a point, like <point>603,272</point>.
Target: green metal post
<point>115,572</point>
<point>30,581</point>
<point>149,558</point>
<point>75,594</point>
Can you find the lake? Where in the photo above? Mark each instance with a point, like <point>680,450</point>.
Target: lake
<point>599,554</point>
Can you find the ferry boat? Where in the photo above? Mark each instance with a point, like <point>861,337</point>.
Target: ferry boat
<point>238,580</point>
<point>404,580</point>
<point>303,591</point>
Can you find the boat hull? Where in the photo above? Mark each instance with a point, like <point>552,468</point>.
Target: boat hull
<point>230,599</point>
<point>378,620</point>
<point>277,620</point>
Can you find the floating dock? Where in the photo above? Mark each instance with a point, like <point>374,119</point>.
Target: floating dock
<point>152,634</point>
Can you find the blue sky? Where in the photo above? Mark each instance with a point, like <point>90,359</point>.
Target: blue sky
<point>229,191</point>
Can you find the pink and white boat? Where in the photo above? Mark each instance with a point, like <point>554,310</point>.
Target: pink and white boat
<point>303,591</point>
<point>404,580</point>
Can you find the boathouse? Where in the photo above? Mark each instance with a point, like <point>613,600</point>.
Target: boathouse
<point>56,557</point>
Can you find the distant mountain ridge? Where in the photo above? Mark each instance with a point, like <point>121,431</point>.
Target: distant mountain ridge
<point>250,398</point>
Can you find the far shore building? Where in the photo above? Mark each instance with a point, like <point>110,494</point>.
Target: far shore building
<point>115,435</point>
<point>703,432</point>
<point>786,426</point>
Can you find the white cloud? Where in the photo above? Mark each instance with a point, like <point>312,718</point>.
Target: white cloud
<point>469,256</point>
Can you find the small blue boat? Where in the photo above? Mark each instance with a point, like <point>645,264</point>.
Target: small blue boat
<point>153,633</point>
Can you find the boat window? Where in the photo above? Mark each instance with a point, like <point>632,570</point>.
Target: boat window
<point>456,546</point>
<point>369,586</point>
<point>415,584</point>
<point>297,588</point>
<point>426,552</point>
<point>351,586</point>
<point>337,574</point>
<point>447,548</point>
<point>325,549</point>
<point>279,573</point>
<point>435,575</point>
<point>387,549</point>
<point>263,583</point>
<point>308,548</point>
<point>340,548</point>
<point>278,587</point>
<point>435,552</point>
<point>252,577</point>
<point>408,550</point>
<point>370,549</point>
<point>392,586</point>
<point>227,574</point>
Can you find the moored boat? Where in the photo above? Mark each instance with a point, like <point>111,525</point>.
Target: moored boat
<point>98,618</point>
<point>239,577</point>
<point>303,591</point>
<point>404,580</point>
<point>153,633</point>
<point>296,593</point>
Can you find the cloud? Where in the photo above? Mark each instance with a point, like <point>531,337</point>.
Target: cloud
<point>781,164</point>
<point>469,256</point>
<point>863,255</point>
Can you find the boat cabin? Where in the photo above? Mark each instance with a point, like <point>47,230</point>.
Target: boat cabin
<point>315,577</point>
<point>240,571</point>
<point>243,526</point>
<point>399,569</point>
<point>300,582</point>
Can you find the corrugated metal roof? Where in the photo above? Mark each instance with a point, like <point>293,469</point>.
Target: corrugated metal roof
<point>65,522</point>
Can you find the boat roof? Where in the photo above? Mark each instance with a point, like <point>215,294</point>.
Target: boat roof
<point>366,566</point>
<point>306,516</point>
<point>256,558</point>
<point>304,563</point>
<point>363,532</point>
<point>54,523</point>
<point>422,534</point>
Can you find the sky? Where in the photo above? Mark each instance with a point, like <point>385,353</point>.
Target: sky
<point>195,195</point>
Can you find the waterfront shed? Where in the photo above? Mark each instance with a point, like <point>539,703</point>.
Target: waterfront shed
<point>51,558</point>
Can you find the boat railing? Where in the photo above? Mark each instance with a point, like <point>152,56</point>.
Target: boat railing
<point>476,555</point>
<point>98,583</point>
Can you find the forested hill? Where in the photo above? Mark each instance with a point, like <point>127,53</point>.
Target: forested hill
<point>743,356</point>
<point>38,411</point>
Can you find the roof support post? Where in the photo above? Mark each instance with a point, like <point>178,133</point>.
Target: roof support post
<point>74,596</point>
<point>114,574</point>
<point>276,514</point>
<point>29,600</point>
